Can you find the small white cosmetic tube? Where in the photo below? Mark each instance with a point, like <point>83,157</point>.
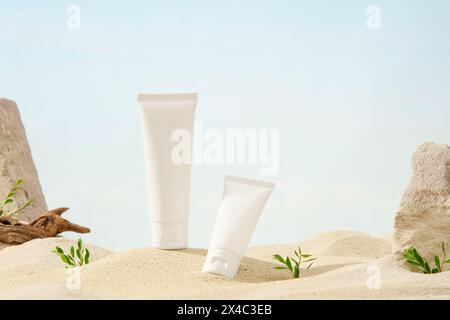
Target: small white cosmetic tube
<point>243,200</point>
<point>167,122</point>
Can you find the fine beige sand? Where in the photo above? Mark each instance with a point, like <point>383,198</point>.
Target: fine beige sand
<point>351,265</point>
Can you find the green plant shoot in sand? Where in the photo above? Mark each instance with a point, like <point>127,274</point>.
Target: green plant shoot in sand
<point>294,264</point>
<point>75,257</point>
<point>10,199</point>
<point>413,257</point>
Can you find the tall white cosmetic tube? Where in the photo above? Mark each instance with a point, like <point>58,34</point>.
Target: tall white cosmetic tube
<point>242,203</point>
<point>167,122</point>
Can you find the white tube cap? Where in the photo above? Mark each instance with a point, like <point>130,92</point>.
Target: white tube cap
<point>169,235</point>
<point>222,262</point>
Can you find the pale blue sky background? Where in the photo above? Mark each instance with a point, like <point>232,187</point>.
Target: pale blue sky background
<point>351,104</point>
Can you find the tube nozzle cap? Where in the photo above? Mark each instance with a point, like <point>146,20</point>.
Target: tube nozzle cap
<point>222,262</point>
<point>169,235</point>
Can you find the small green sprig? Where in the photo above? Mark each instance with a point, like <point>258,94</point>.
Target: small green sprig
<point>413,257</point>
<point>75,257</point>
<point>10,198</point>
<point>293,264</point>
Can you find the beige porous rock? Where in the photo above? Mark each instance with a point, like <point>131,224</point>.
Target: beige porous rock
<point>16,162</point>
<point>423,220</point>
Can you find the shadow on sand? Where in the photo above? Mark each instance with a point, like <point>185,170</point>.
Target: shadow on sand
<point>258,271</point>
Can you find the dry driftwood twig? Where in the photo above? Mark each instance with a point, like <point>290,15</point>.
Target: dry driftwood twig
<point>50,224</point>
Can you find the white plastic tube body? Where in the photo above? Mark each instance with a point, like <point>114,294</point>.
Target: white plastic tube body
<point>168,181</point>
<point>242,203</point>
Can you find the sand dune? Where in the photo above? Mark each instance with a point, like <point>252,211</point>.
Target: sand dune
<point>348,262</point>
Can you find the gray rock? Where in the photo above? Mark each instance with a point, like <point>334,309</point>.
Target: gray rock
<point>423,220</point>
<point>16,161</point>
